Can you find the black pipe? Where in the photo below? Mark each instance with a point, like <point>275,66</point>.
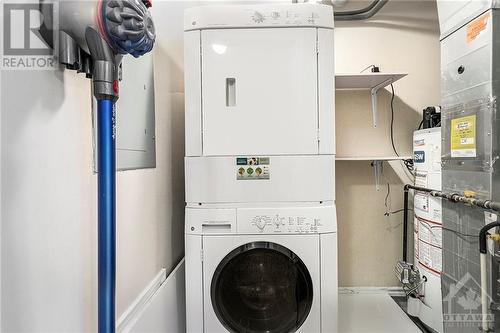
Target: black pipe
<point>483,236</point>
<point>405,225</point>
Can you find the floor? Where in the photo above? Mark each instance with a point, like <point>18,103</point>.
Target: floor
<point>402,301</point>
<point>372,313</point>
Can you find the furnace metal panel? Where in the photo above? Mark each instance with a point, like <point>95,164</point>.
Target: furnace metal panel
<point>470,86</point>
<point>453,14</point>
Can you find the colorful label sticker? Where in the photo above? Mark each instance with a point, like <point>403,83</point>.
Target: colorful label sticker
<point>463,137</point>
<point>477,26</point>
<point>253,168</point>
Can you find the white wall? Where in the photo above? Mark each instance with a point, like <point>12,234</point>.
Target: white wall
<point>48,189</point>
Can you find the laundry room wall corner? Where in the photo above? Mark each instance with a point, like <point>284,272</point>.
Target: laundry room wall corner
<point>402,38</point>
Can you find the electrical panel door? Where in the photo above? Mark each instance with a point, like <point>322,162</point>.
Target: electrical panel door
<point>259,91</point>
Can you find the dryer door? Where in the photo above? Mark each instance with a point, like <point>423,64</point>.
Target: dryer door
<point>259,92</point>
<point>262,287</point>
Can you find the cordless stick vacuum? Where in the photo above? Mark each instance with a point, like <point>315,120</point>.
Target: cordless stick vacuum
<point>93,36</point>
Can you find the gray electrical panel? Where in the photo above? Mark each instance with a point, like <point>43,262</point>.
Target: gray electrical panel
<point>470,85</point>
<point>135,116</point>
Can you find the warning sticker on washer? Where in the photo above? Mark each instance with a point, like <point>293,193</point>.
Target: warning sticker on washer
<point>463,137</point>
<point>253,168</point>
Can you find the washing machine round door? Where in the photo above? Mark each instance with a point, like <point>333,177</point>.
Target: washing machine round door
<point>262,287</point>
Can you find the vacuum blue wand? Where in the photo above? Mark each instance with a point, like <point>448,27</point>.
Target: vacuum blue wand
<point>106,184</point>
<point>96,34</point>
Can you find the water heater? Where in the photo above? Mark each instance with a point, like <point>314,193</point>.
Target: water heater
<point>428,226</point>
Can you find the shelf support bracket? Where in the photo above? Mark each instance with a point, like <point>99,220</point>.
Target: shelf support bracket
<point>374,92</point>
<point>377,167</point>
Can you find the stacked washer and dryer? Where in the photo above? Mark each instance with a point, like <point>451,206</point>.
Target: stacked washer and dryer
<point>261,231</point>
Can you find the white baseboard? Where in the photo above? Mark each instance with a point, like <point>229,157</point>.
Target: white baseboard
<point>160,307</point>
<point>132,314</point>
<point>392,291</point>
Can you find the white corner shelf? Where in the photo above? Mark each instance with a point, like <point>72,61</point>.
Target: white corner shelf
<point>377,161</point>
<point>372,158</point>
<point>367,81</point>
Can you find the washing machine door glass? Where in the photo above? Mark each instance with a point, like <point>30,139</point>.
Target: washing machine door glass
<point>262,287</point>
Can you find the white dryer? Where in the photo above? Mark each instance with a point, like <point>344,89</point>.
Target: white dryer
<point>261,231</point>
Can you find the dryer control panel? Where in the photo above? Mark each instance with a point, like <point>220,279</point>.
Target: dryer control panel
<point>250,16</point>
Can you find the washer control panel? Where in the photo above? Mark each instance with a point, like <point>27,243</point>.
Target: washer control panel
<point>281,220</point>
<point>309,220</point>
<point>288,224</point>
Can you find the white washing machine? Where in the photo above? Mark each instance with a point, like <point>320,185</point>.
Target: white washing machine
<point>261,232</point>
<point>261,269</point>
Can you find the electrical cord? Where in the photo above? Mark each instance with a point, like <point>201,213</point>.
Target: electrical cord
<point>387,196</point>
<point>448,229</point>
<point>420,125</point>
<point>408,163</point>
<point>393,95</point>
<point>371,66</point>
<point>396,212</point>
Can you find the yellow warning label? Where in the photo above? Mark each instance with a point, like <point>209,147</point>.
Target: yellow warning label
<point>463,137</point>
<point>476,27</point>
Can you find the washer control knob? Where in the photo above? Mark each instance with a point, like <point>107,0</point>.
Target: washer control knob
<point>260,222</point>
<point>277,220</point>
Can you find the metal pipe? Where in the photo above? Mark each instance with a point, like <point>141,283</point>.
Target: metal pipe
<point>361,14</point>
<point>354,15</point>
<point>106,187</point>
<point>457,198</point>
<point>483,249</point>
<point>484,294</point>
